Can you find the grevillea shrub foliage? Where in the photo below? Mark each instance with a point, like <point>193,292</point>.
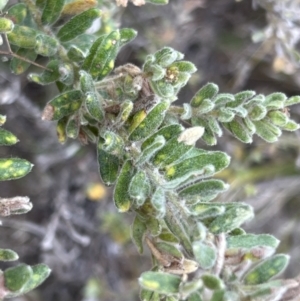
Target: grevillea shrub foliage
<point>146,150</point>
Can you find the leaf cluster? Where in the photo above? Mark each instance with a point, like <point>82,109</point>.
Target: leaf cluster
<point>199,250</point>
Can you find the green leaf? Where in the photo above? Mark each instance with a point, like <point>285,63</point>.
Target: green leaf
<point>86,82</point>
<point>206,106</point>
<point>204,164</point>
<point>150,151</point>
<point>126,36</point>
<point>52,11</point>
<point>102,54</point>
<point>275,101</point>
<point>6,25</point>
<point>231,219</point>
<point>7,138</point>
<point>167,132</point>
<point>121,194</point>
<point>40,273</point>
<point>17,13</point>
<point>174,222</point>
<point>194,297</point>
<point>190,287</point>
<point>14,168</point>
<point>171,152</point>
<point>138,231</point>
<point>160,282</point>
<point>146,295</point>
<point>75,54</point>
<point>73,126</point>
<point>158,200</point>
<point>45,45</point>
<point>48,76</point>
<point>111,143</point>
<point>78,24</point>
<point>239,130</point>
<point>249,241</point>
<point>267,269</point>
<point>292,101</point>
<point>63,105</point>
<point>204,210</point>
<point>154,226</point>
<point>212,282</point>
<point>61,129</point>
<point>166,56</point>
<point>240,98</point>
<point>205,190</point>
<point>94,106</point>
<point>209,91</point>
<point>257,112</point>
<point>108,166</point>
<point>18,66</point>
<point>163,88</point>
<point>8,255</point>
<point>150,123</point>
<point>183,66</point>
<point>290,126</point>
<point>23,36</point>
<point>15,278</point>
<point>204,254</point>
<point>266,130</point>
<point>139,187</point>
<point>278,118</point>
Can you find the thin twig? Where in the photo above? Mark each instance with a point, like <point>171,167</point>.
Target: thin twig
<point>23,59</point>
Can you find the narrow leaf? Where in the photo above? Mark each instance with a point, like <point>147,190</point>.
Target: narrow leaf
<point>160,282</point>
<point>52,11</point>
<point>14,168</point>
<point>78,24</point>
<point>266,270</point>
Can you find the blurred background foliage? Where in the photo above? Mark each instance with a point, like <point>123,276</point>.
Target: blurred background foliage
<point>74,227</point>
